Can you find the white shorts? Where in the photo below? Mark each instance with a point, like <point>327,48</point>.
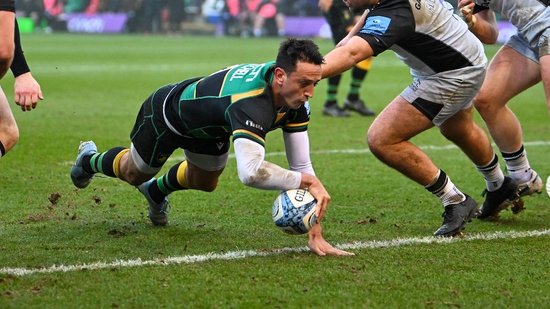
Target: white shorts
<point>442,95</point>
<point>521,45</point>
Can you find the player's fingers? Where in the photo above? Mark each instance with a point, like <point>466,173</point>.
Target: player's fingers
<point>17,98</point>
<point>465,11</point>
<point>33,98</point>
<point>330,250</point>
<point>339,252</point>
<point>316,250</point>
<point>23,101</point>
<point>321,209</point>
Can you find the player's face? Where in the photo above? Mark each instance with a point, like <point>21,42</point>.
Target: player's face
<point>298,86</point>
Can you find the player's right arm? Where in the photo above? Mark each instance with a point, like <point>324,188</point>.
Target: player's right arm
<point>27,90</point>
<point>481,21</point>
<point>256,172</point>
<point>7,31</point>
<point>344,57</point>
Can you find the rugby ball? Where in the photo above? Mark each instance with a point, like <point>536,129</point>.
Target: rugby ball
<point>294,211</point>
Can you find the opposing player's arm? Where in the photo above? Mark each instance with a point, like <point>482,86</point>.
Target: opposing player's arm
<point>345,57</point>
<point>481,21</point>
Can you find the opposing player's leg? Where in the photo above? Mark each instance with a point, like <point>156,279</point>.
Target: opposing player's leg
<point>7,43</point>
<point>545,73</point>
<point>468,136</point>
<point>500,85</point>
<point>9,133</point>
<point>508,74</point>
<point>544,59</point>
<point>388,138</point>
<point>500,190</point>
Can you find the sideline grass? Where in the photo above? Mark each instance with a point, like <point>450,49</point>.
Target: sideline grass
<point>94,86</point>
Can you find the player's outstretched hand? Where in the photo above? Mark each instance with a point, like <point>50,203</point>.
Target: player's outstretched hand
<point>27,91</point>
<point>318,245</point>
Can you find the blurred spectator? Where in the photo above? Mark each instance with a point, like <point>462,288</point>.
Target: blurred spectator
<point>173,14</point>
<point>31,9</point>
<point>92,7</point>
<point>118,6</point>
<point>148,15</point>
<point>240,16</point>
<point>76,6</point>
<point>269,12</point>
<point>53,13</point>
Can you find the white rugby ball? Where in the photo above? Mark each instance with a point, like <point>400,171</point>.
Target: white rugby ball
<point>294,211</point>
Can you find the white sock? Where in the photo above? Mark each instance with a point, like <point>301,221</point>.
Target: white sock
<point>518,166</point>
<point>494,177</point>
<point>445,189</point>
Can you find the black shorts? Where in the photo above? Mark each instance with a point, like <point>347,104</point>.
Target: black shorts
<point>155,142</point>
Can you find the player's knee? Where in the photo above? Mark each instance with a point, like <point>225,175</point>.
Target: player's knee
<point>374,141</point>
<point>6,53</point>
<point>10,137</point>
<point>484,102</point>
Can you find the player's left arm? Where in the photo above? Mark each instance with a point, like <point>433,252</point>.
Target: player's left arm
<point>27,90</point>
<point>297,152</point>
<point>481,21</point>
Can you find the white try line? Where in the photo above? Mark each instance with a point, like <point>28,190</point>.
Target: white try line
<point>235,255</point>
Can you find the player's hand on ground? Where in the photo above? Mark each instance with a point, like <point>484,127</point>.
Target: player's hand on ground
<point>318,245</point>
<point>27,91</point>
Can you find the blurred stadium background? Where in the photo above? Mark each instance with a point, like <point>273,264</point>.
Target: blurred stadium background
<point>246,18</point>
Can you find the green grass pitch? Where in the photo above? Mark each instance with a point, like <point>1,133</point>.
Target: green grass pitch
<point>93,87</point>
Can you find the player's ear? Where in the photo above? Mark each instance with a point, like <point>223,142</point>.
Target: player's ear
<point>280,76</point>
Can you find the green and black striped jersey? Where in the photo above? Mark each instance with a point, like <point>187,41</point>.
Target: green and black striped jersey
<point>236,101</point>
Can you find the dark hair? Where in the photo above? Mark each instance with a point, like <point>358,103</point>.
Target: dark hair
<point>293,50</point>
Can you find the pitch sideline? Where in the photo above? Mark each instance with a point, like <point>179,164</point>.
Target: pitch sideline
<point>235,255</point>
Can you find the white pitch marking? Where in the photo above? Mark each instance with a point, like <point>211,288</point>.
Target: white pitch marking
<point>235,255</point>
<point>350,151</point>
